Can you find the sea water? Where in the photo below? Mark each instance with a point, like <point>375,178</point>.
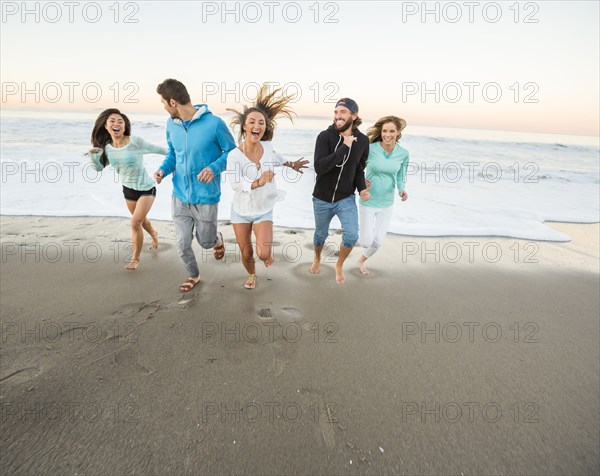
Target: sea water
<point>459,182</point>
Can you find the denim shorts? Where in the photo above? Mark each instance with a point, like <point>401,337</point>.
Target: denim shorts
<point>237,218</point>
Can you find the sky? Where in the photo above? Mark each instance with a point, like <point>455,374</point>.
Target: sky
<point>517,66</point>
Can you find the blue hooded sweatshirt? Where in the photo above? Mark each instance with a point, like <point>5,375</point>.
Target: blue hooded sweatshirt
<point>205,143</point>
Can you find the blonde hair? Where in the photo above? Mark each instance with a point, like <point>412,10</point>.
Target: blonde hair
<point>374,132</point>
<point>269,106</point>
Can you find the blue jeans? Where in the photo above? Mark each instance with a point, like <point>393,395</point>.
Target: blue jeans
<point>346,212</point>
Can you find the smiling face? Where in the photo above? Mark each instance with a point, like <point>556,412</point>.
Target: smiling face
<point>115,125</point>
<point>389,134</point>
<point>343,118</point>
<point>255,126</point>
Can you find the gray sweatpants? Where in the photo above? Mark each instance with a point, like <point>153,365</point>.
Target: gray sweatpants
<point>187,217</point>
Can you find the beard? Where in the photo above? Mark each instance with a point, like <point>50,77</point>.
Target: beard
<point>347,125</point>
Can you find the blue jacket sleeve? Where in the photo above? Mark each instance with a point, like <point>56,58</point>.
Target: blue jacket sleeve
<point>168,165</point>
<point>226,143</point>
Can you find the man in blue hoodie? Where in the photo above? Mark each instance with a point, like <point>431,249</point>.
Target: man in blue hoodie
<point>198,146</point>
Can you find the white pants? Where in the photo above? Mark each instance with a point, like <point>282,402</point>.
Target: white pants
<point>374,224</point>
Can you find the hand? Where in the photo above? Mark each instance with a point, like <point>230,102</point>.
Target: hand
<point>266,177</point>
<point>368,183</point>
<point>349,139</point>
<point>94,153</point>
<point>365,195</point>
<point>404,195</point>
<point>158,176</point>
<point>206,175</point>
<point>299,164</point>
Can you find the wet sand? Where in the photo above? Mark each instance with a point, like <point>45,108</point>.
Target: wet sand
<point>457,355</point>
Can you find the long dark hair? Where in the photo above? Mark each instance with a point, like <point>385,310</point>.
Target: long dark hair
<point>269,106</point>
<point>101,137</point>
<point>374,132</point>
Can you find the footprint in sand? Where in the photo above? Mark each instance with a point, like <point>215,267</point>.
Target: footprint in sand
<point>129,310</point>
<point>184,302</point>
<point>283,338</point>
<point>293,312</point>
<point>325,412</point>
<point>146,310</point>
<point>129,358</point>
<point>264,312</point>
<point>283,315</point>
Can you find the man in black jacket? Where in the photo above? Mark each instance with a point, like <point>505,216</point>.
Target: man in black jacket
<point>340,157</point>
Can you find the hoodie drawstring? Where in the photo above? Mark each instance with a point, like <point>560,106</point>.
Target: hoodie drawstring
<point>346,158</point>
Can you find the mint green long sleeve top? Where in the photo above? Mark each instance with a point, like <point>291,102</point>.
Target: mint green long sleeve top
<point>128,161</point>
<point>386,173</point>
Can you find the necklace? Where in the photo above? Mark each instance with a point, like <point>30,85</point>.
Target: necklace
<point>260,153</point>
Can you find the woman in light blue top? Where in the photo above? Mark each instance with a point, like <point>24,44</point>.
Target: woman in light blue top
<point>114,145</point>
<point>386,172</point>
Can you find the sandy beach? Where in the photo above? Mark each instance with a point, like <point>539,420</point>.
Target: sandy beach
<point>457,355</point>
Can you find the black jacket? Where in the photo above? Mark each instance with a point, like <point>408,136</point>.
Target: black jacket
<point>337,174</point>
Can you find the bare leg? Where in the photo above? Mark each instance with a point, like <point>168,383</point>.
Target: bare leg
<point>243,235</point>
<point>264,242</point>
<point>314,269</point>
<point>146,225</point>
<point>138,210</point>
<point>361,265</point>
<point>339,273</point>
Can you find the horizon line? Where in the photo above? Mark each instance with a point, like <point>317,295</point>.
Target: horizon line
<point>308,116</point>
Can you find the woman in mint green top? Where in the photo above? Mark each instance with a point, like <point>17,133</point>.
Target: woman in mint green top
<point>114,145</point>
<point>386,172</point>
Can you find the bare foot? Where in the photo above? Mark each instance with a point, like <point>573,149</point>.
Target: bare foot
<point>339,275</point>
<point>133,264</point>
<point>314,269</point>
<point>154,240</point>
<point>361,266</point>
<point>269,262</point>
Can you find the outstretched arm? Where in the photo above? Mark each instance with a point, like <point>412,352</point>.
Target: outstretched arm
<point>298,165</point>
<point>168,164</point>
<point>148,148</point>
<point>95,154</point>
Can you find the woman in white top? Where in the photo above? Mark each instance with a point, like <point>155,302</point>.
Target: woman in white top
<point>250,171</point>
